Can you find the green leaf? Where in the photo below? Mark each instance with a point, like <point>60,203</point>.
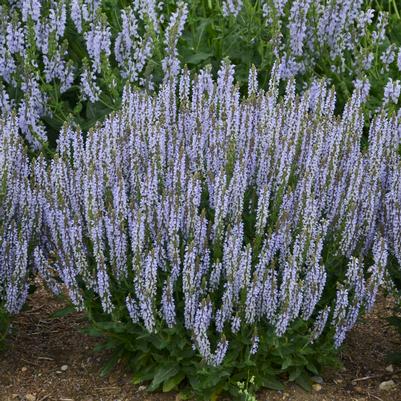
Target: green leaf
<point>63,312</point>
<point>198,58</point>
<point>173,382</point>
<point>107,345</point>
<point>294,374</point>
<point>215,395</point>
<point>137,378</point>
<point>312,368</point>
<point>92,331</point>
<point>114,327</point>
<point>272,383</point>
<point>163,374</point>
<point>143,376</point>
<point>395,321</point>
<point>394,357</point>
<point>78,108</point>
<point>287,362</point>
<point>303,381</point>
<point>183,395</point>
<point>111,363</point>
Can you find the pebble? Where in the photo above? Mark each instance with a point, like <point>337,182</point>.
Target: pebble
<point>30,397</point>
<point>142,388</point>
<point>316,387</point>
<point>387,385</point>
<point>64,368</point>
<point>24,369</point>
<point>390,368</point>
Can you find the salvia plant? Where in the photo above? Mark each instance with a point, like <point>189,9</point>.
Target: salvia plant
<point>70,59</point>
<point>211,238</point>
<point>18,222</point>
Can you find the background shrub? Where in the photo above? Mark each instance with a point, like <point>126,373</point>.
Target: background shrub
<point>70,59</point>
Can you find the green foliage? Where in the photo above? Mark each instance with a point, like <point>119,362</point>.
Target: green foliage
<point>210,37</point>
<point>395,320</point>
<point>243,389</point>
<point>249,39</point>
<point>4,326</point>
<point>166,361</point>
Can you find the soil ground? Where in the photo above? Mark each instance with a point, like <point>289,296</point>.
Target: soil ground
<point>39,346</point>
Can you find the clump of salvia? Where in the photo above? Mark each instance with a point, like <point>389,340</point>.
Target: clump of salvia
<point>58,56</point>
<point>19,215</point>
<point>195,207</point>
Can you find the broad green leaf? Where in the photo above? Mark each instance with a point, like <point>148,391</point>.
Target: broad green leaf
<point>287,362</point>
<point>173,382</point>
<point>163,373</point>
<point>304,381</point>
<point>198,58</point>
<point>312,368</point>
<point>294,374</point>
<point>92,331</point>
<point>272,383</point>
<point>137,378</point>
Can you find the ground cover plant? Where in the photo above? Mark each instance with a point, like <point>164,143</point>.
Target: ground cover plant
<point>210,238</point>
<point>71,58</point>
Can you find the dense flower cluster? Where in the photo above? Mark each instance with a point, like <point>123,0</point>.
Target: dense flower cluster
<point>39,56</point>
<point>58,56</point>
<point>195,206</point>
<point>18,218</point>
<point>338,26</point>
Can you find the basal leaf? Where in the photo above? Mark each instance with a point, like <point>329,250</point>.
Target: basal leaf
<point>173,382</point>
<point>164,373</point>
<point>272,383</point>
<point>198,58</point>
<point>304,381</point>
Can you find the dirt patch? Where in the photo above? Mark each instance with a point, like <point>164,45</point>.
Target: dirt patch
<point>50,359</point>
